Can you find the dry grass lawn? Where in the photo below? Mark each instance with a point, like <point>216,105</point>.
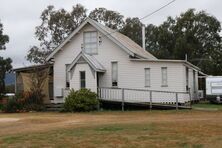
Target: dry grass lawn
<point>113,129</point>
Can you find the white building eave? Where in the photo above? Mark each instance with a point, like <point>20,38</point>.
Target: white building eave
<point>169,61</point>
<point>93,63</point>
<point>104,32</point>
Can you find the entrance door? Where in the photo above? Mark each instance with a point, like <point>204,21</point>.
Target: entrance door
<point>97,78</point>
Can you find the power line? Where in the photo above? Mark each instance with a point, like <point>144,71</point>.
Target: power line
<point>148,15</point>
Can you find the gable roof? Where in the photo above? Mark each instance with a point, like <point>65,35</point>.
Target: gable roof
<point>127,42</point>
<point>90,60</point>
<point>123,41</point>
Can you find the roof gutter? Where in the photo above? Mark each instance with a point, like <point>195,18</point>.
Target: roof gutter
<point>32,67</point>
<point>170,61</point>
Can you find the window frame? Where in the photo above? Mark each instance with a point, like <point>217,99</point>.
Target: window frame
<point>194,81</point>
<point>67,76</point>
<point>80,79</point>
<point>147,78</point>
<point>112,80</point>
<point>163,84</point>
<point>187,78</point>
<point>86,50</point>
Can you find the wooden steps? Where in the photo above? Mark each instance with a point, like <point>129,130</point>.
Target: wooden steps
<point>54,107</point>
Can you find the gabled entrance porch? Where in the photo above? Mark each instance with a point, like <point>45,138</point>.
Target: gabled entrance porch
<point>84,72</point>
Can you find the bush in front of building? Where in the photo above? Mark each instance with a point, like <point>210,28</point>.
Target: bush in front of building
<point>24,102</point>
<point>33,101</point>
<point>10,88</point>
<point>1,107</point>
<point>12,106</point>
<point>83,100</point>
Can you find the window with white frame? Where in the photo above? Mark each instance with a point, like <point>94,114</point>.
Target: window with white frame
<point>90,42</point>
<point>187,78</point>
<point>82,79</point>
<point>67,77</point>
<point>147,77</point>
<point>164,76</point>
<point>114,74</point>
<point>194,81</point>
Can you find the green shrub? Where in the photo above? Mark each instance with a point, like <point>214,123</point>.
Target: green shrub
<point>26,101</point>
<point>81,101</point>
<point>1,107</point>
<point>1,96</point>
<point>32,97</point>
<point>32,101</point>
<point>12,106</point>
<point>10,88</point>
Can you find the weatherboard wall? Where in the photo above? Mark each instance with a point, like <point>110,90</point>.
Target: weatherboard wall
<point>130,73</point>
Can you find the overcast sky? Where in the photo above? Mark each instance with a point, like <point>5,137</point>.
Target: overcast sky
<point>20,17</point>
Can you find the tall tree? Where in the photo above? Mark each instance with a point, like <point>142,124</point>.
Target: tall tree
<point>160,39</point>
<point>133,29</point>
<point>195,34</point>
<point>55,27</point>
<point>58,24</point>
<point>5,64</point>
<point>109,18</point>
<point>3,38</point>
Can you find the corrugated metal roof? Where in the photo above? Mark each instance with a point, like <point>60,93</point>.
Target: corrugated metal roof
<point>91,60</point>
<point>33,67</point>
<point>123,41</point>
<point>126,41</point>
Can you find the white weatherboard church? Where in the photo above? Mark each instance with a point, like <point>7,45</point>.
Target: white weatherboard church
<point>95,56</point>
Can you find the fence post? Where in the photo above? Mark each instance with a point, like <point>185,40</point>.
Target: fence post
<point>98,97</point>
<point>122,99</point>
<point>189,91</point>
<point>176,101</point>
<point>150,100</point>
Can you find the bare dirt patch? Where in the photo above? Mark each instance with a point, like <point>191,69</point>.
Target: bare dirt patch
<point>6,120</point>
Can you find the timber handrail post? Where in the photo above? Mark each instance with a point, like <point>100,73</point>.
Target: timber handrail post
<point>189,91</point>
<point>98,92</point>
<point>98,97</point>
<point>176,101</point>
<point>122,99</point>
<point>150,100</point>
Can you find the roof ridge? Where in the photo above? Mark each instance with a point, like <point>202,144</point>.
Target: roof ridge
<point>127,44</point>
<point>112,32</point>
